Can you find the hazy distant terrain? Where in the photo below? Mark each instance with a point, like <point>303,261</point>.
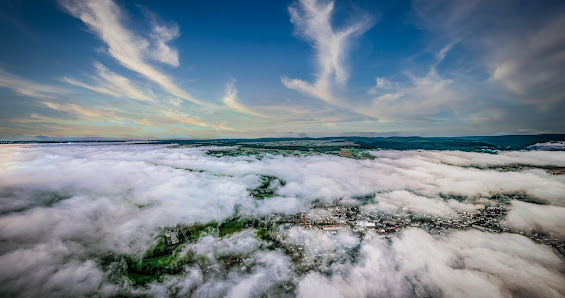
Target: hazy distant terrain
<point>332,217</point>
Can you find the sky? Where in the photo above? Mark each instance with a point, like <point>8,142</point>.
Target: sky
<point>225,69</point>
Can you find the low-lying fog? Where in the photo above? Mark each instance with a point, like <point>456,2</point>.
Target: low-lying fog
<point>62,206</point>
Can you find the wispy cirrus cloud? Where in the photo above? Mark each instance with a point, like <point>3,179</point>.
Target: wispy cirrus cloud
<point>160,35</point>
<point>413,96</point>
<point>128,48</point>
<point>77,110</point>
<point>111,83</point>
<point>520,46</point>
<point>513,60</point>
<point>419,97</point>
<point>231,101</point>
<point>167,116</point>
<point>27,87</point>
<point>536,68</point>
<point>145,117</point>
<point>312,21</point>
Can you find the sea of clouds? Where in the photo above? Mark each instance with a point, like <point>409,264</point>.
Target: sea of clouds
<point>62,205</point>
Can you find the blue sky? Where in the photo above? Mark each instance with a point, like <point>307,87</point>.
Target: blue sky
<point>207,69</point>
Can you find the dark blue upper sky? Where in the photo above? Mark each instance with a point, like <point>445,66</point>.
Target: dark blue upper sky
<point>272,68</point>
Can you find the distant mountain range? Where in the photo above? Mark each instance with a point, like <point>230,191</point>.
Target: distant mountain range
<point>470,143</point>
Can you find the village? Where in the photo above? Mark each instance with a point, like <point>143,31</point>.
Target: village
<point>333,218</point>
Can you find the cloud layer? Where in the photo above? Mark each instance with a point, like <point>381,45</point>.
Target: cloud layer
<point>63,207</point>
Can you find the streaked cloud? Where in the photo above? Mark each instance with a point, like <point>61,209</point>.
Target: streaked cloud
<point>231,100</point>
<point>110,83</point>
<point>173,116</point>
<point>131,50</point>
<point>421,97</point>
<point>74,109</point>
<point>29,88</point>
<point>455,68</point>
<point>83,119</point>
<point>312,21</point>
<point>521,46</point>
<point>536,67</point>
<point>416,98</point>
<point>161,34</point>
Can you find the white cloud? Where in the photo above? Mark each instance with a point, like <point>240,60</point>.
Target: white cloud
<point>52,269</point>
<point>183,118</point>
<point>535,68</point>
<point>231,100</point>
<point>523,54</point>
<point>128,48</point>
<point>443,52</point>
<point>394,201</point>
<point>110,83</point>
<point>421,97</point>
<point>382,83</point>
<point>466,264</point>
<point>163,53</point>
<point>312,21</point>
<point>63,204</point>
<point>533,218</point>
<point>550,146</point>
<point>28,88</point>
<point>76,110</point>
<point>417,101</point>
